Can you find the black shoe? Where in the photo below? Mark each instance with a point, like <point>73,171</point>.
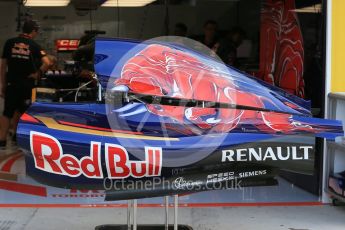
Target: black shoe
<point>3,145</point>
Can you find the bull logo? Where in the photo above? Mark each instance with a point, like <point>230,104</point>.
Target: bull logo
<point>21,49</point>
<point>163,71</point>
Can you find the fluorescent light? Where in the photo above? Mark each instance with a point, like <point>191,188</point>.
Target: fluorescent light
<point>47,2</point>
<point>126,3</point>
<point>317,8</point>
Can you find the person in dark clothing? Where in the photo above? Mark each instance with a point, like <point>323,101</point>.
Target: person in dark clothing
<point>209,38</point>
<point>22,62</point>
<point>86,49</point>
<point>228,46</point>
<point>84,55</point>
<point>180,30</point>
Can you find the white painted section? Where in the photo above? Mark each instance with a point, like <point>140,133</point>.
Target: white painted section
<point>324,197</point>
<point>339,160</point>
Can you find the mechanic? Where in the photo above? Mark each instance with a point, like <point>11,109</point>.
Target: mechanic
<point>209,38</point>
<point>22,63</point>
<point>180,29</point>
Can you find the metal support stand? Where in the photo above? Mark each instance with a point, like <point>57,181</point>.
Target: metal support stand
<point>166,199</point>
<point>129,206</point>
<point>132,216</point>
<point>175,211</point>
<point>135,218</point>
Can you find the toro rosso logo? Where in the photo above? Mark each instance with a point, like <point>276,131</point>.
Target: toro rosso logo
<point>49,157</point>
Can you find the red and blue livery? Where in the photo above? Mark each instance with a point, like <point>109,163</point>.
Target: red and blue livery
<point>169,112</point>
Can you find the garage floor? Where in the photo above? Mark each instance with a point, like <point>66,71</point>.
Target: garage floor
<point>275,218</point>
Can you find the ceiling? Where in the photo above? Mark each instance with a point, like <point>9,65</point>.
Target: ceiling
<point>299,3</point>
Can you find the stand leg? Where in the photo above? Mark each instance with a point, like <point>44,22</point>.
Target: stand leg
<point>175,211</point>
<point>129,207</point>
<point>132,215</point>
<point>135,206</point>
<point>166,201</point>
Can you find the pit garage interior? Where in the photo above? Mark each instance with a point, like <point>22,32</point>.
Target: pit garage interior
<point>241,36</point>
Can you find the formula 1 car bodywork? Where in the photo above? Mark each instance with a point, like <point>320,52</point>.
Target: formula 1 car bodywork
<point>174,114</point>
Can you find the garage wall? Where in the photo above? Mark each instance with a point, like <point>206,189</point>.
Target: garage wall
<point>8,12</point>
<point>140,23</point>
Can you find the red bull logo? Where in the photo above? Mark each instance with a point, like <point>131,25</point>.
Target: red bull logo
<point>49,157</point>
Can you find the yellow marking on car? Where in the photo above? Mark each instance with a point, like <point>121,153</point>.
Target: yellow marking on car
<point>52,124</point>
